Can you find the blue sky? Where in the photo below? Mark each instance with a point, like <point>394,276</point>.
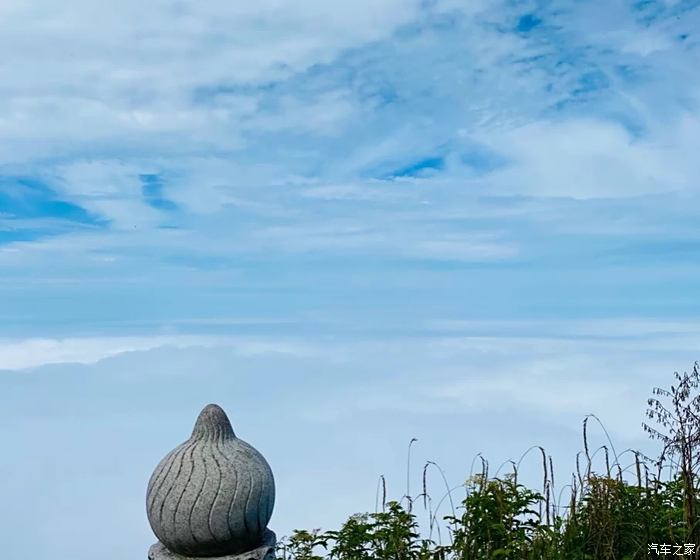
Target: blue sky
<point>349,224</point>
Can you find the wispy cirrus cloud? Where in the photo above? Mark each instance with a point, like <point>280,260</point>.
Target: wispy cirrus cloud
<point>489,100</point>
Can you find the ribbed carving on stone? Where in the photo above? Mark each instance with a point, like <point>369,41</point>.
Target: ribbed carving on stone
<point>213,495</point>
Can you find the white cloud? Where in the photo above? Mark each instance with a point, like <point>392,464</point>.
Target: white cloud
<point>108,189</point>
<point>556,380</point>
<point>326,115</point>
<point>403,240</point>
<point>19,354</point>
<point>594,159</point>
<point>618,328</point>
<point>269,112</point>
<point>35,352</point>
<point>111,73</point>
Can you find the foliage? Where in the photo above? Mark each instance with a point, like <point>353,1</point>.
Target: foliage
<point>607,517</point>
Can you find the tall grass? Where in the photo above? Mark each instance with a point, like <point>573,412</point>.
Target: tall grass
<point>636,501</point>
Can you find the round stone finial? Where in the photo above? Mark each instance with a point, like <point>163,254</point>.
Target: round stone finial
<point>212,495</point>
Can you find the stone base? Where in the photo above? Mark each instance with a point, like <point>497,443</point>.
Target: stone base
<point>264,552</point>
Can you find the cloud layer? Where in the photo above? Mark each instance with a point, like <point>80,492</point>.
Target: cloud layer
<point>331,415</point>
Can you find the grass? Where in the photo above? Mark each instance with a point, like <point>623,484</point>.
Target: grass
<point>616,514</point>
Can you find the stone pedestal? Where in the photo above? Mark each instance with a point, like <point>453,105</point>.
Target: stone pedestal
<point>212,497</point>
<point>264,552</point>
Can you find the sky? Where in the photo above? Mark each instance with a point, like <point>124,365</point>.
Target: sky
<point>350,224</point>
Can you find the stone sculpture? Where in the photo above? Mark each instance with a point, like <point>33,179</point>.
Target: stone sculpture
<point>212,497</point>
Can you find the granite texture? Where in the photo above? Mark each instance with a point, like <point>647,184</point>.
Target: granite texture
<point>264,552</point>
<point>212,496</point>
